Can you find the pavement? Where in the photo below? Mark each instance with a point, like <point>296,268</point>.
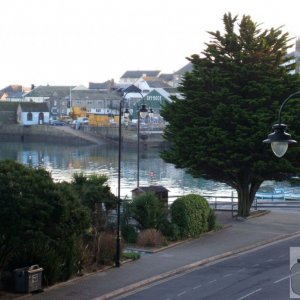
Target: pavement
<point>237,235</point>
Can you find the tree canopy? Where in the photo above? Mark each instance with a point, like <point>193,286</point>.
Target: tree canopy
<point>231,99</point>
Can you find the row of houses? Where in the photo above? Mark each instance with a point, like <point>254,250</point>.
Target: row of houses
<point>99,101</point>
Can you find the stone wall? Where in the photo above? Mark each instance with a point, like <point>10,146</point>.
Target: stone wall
<point>48,133</point>
<point>38,133</point>
<point>129,135</point>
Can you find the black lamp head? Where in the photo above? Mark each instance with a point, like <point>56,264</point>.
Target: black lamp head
<point>143,111</point>
<point>279,139</point>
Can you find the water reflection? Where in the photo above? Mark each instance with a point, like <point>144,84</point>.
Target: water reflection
<point>64,160</point>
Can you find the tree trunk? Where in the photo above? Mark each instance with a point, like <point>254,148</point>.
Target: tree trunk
<point>246,195</point>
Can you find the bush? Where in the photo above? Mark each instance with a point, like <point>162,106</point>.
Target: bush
<point>170,230</point>
<point>50,222</point>
<point>190,213</point>
<point>106,248</point>
<point>211,220</point>
<point>129,233</point>
<point>148,211</point>
<point>151,238</point>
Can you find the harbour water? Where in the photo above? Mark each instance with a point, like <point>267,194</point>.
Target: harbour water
<point>64,160</point>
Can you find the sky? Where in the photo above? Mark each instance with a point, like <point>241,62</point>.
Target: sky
<point>74,42</point>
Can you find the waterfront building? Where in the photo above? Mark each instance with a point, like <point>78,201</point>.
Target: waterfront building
<point>30,113</point>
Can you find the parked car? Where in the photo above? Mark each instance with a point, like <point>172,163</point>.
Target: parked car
<point>57,123</point>
<point>83,120</point>
<point>66,120</point>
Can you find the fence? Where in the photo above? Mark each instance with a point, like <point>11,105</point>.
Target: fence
<point>218,202</point>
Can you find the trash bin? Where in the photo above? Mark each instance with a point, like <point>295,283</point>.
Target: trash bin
<point>28,279</point>
<point>19,280</point>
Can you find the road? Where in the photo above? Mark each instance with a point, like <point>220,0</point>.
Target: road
<point>260,274</point>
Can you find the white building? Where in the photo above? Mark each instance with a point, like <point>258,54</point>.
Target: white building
<point>29,113</point>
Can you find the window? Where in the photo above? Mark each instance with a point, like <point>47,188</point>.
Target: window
<point>29,116</point>
<point>54,110</point>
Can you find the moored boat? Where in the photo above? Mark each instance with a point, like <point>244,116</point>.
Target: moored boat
<point>280,193</point>
<point>270,193</point>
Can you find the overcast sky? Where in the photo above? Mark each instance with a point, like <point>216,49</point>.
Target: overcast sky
<point>73,42</point>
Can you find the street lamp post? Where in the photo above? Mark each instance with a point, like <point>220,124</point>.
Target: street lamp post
<point>118,244</point>
<point>142,113</point>
<point>279,139</point>
<point>151,113</point>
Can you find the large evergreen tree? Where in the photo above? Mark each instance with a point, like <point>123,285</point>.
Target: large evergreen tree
<point>231,99</point>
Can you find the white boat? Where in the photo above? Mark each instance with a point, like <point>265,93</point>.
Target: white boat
<point>270,193</point>
<point>292,194</point>
<point>284,193</point>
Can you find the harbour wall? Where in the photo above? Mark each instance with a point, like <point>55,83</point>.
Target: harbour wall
<point>86,135</point>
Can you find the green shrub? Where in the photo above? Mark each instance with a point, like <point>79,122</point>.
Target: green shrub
<point>190,213</point>
<point>170,230</point>
<point>129,233</point>
<point>151,238</point>
<point>50,222</point>
<point>148,211</point>
<point>211,220</point>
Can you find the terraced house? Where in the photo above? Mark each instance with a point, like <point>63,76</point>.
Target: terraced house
<point>58,98</point>
<point>101,106</point>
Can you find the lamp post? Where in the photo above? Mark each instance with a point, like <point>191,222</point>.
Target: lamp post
<point>150,114</point>
<point>118,245</point>
<point>142,113</point>
<point>279,139</point>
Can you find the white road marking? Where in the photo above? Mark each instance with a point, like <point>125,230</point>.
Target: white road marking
<point>227,275</point>
<point>241,270</point>
<point>182,293</point>
<point>197,287</point>
<point>281,279</point>
<point>256,265</point>
<point>249,294</point>
<point>269,260</point>
<point>212,281</point>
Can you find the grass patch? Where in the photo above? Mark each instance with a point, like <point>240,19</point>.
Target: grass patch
<point>131,255</point>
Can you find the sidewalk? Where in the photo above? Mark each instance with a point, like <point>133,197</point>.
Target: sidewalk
<point>239,236</point>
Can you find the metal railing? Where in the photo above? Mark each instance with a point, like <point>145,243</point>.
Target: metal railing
<point>229,203</point>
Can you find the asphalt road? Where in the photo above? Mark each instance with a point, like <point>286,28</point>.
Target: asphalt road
<point>261,274</point>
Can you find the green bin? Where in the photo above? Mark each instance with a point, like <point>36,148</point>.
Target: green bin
<point>28,279</point>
